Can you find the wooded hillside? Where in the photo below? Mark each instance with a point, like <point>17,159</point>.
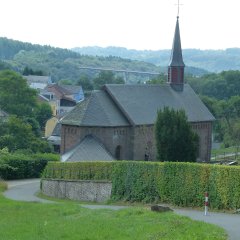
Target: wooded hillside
<point>66,64</point>
<point>210,60</point>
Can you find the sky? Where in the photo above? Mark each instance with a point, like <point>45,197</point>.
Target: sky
<point>133,24</point>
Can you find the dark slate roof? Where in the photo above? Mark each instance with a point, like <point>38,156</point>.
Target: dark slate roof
<point>57,130</point>
<point>90,149</point>
<point>140,103</point>
<point>72,89</point>
<point>58,90</point>
<point>38,79</point>
<point>98,110</point>
<point>56,140</point>
<point>176,56</point>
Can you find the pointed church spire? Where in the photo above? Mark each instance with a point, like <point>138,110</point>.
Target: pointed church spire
<point>176,57</point>
<point>176,65</point>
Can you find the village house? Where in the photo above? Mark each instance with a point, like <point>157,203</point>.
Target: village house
<point>38,82</point>
<point>62,99</point>
<point>117,122</point>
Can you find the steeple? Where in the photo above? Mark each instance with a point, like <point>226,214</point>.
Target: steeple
<point>176,65</point>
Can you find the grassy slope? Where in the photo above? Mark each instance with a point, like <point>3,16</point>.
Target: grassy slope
<point>27,221</point>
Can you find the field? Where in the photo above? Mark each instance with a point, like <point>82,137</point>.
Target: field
<point>70,221</point>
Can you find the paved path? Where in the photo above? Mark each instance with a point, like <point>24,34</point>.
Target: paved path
<point>230,222</point>
<point>25,190</point>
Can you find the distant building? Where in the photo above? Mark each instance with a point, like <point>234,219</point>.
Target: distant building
<point>74,92</point>
<point>117,122</point>
<point>62,98</point>
<point>55,137</point>
<point>38,82</point>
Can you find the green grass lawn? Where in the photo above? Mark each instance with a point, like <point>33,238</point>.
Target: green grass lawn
<point>221,151</point>
<point>56,221</point>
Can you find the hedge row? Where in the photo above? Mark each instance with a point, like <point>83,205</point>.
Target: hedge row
<point>19,166</point>
<point>79,171</point>
<point>183,184</point>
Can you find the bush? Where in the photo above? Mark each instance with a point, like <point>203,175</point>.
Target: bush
<point>182,184</point>
<point>19,166</point>
<point>79,171</point>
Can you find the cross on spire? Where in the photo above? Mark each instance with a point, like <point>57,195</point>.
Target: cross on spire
<point>178,4</point>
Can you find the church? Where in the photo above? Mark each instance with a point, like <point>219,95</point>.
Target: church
<point>117,122</point>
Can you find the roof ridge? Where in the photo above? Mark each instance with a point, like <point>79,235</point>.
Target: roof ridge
<point>100,143</point>
<point>85,108</point>
<point>105,113</point>
<point>120,107</point>
<point>94,95</point>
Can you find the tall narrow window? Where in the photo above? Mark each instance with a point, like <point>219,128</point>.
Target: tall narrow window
<point>118,152</point>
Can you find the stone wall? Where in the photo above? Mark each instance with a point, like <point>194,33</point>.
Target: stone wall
<point>81,190</point>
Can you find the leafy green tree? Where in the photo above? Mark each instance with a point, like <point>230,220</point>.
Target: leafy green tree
<point>16,134</point>
<point>34,124</point>
<point>16,97</point>
<point>160,79</point>
<point>86,83</point>
<point>106,77</point>
<point>65,82</point>
<point>43,112</point>
<point>175,139</point>
<point>4,65</point>
<point>29,71</point>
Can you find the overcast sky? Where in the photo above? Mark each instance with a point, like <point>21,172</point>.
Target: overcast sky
<point>134,24</point>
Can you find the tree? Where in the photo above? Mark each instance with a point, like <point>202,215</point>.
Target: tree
<point>106,77</point>
<point>28,71</point>
<point>160,79</point>
<point>16,134</point>
<point>85,82</point>
<point>43,112</point>
<point>16,97</point>
<point>175,139</point>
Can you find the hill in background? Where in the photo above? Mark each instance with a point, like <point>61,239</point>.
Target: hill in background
<point>67,64</point>
<point>210,60</point>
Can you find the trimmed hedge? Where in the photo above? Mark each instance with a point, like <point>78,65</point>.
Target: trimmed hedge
<point>79,171</point>
<point>182,184</point>
<point>19,166</point>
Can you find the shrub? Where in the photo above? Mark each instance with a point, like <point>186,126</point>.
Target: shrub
<point>182,184</point>
<point>79,171</point>
<point>18,166</point>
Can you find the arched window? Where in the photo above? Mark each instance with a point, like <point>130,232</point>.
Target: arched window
<point>118,152</point>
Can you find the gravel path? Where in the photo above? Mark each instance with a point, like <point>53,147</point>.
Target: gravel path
<point>25,190</point>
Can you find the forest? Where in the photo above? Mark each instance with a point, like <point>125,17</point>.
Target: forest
<point>220,93</point>
<point>204,60</point>
<point>64,64</point>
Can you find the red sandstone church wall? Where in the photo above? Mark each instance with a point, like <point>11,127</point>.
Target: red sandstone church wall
<point>137,143</point>
<point>111,138</point>
<point>204,131</point>
<point>144,143</point>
